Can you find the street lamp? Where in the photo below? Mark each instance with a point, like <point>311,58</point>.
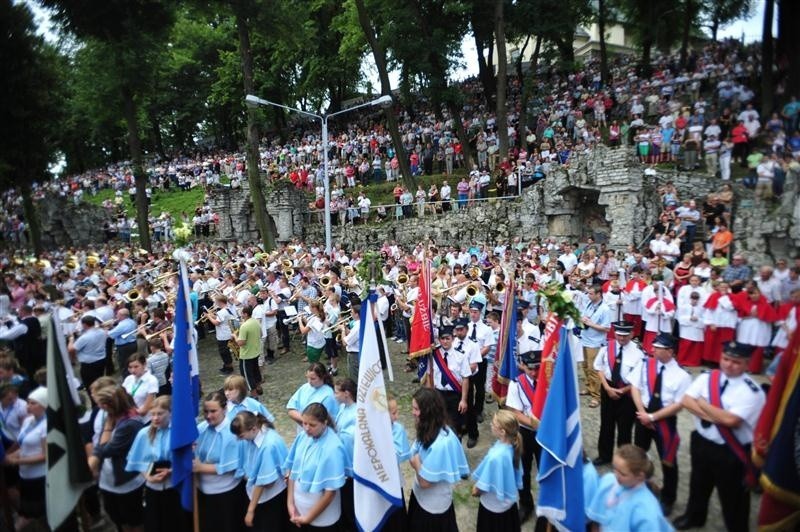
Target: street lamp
<point>386,99</point>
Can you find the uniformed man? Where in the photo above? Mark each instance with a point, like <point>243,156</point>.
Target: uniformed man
<point>482,336</point>
<point>473,353</point>
<point>726,404</point>
<point>616,365</point>
<point>658,389</point>
<point>520,401</point>
<point>450,370</point>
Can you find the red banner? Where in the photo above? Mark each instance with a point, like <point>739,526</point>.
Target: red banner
<point>421,323</point>
<point>552,330</point>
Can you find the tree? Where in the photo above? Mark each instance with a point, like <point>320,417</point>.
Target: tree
<point>788,46</point>
<point>652,25</point>
<point>379,55</point>
<point>502,81</point>
<point>767,59</point>
<point>241,10</point>
<point>482,23</point>
<point>718,13</point>
<point>133,32</point>
<point>30,96</point>
<point>601,27</point>
<point>691,8</point>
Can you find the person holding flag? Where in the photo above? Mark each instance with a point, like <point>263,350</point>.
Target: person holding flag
<point>657,393</point>
<point>438,461</point>
<point>519,401</point>
<point>560,476</point>
<point>450,373</point>
<point>150,455</point>
<point>377,443</point>
<point>617,365</point>
<point>726,404</point>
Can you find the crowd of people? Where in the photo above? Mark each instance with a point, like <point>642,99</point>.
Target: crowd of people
<point>704,112</point>
<point>639,312</point>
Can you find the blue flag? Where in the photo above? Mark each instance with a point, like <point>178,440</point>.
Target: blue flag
<point>185,392</point>
<point>561,469</point>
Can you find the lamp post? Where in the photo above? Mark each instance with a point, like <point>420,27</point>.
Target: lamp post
<point>252,100</point>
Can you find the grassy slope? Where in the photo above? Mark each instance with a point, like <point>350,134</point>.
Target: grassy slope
<point>175,201</point>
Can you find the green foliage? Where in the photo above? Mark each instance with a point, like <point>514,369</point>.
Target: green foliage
<point>30,94</point>
<point>175,202</point>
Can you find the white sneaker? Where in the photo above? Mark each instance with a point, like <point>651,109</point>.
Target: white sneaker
<point>260,361</point>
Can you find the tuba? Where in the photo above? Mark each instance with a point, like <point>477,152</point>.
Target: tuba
<point>132,295</point>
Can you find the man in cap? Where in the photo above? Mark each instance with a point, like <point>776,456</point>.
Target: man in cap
<point>519,400</point>
<point>473,352</point>
<point>451,372</point>
<point>658,387</point>
<point>616,366</point>
<point>726,404</point>
<point>482,336</point>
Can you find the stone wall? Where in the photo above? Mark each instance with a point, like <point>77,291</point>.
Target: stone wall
<point>286,207</point>
<point>63,223</point>
<point>605,194</point>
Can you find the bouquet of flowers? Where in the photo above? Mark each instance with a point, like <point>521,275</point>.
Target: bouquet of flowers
<point>560,302</point>
<point>182,235</point>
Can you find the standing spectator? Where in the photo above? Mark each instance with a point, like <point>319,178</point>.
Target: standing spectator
<point>741,147</point>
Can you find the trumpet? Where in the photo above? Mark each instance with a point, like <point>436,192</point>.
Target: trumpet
<point>445,290</point>
<point>206,313</point>
<point>295,318</point>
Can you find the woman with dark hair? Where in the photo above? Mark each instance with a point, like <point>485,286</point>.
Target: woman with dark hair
<point>316,466</point>
<point>438,461</point>
<point>261,460</point>
<point>121,489</point>
<point>151,456</point>
<point>317,389</point>
<point>221,497</point>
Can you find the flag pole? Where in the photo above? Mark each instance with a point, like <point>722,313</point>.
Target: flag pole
<point>195,508</point>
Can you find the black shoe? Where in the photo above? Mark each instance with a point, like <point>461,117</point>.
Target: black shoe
<point>600,462</point>
<point>471,442</point>
<point>685,522</point>
<point>524,514</point>
<point>225,370</point>
<point>480,417</point>
<point>666,508</point>
<point>489,399</point>
<point>270,361</point>
<point>415,380</point>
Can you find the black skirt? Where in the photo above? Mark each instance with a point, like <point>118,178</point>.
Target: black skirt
<point>124,509</point>
<point>223,512</point>
<point>420,520</point>
<point>398,520</point>
<point>273,515</point>
<point>163,511</point>
<point>507,521</point>
<point>31,497</point>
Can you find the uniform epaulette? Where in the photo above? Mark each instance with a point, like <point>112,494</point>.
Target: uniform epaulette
<point>752,385</point>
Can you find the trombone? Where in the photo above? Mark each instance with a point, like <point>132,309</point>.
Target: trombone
<point>157,333</point>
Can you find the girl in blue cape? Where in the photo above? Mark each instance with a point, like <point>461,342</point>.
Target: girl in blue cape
<point>316,465</point>
<point>151,456</point>
<point>438,461</point>
<point>623,500</point>
<point>397,521</point>
<point>345,392</point>
<point>317,389</point>
<point>235,388</point>
<point>498,478</point>
<point>261,461</point>
<point>221,498</point>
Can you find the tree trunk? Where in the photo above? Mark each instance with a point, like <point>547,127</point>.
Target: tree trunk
<point>767,59</point>
<point>466,149</point>
<point>647,49</point>
<point>526,89</point>
<point>155,130</point>
<point>601,26</point>
<point>502,78</point>
<point>31,217</point>
<point>379,55</point>
<point>253,175</point>
<point>788,45</point>
<point>714,29</point>
<point>687,26</point>
<point>135,147</point>
<point>484,74</point>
